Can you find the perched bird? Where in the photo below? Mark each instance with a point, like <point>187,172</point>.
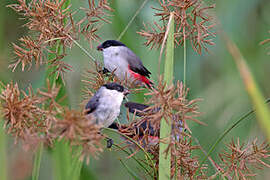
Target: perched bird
<point>104,107</point>
<point>118,58</point>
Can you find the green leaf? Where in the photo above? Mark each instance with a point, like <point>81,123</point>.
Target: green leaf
<point>133,174</point>
<point>165,128</point>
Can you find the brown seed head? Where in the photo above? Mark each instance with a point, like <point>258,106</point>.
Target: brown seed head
<point>192,22</point>
<point>239,160</point>
<point>75,128</point>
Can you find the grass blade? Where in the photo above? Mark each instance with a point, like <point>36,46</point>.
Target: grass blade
<point>165,128</point>
<point>262,111</point>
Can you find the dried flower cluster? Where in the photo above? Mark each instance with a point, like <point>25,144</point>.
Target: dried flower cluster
<point>170,103</point>
<point>24,113</point>
<point>192,22</point>
<point>239,159</point>
<point>173,105</point>
<point>74,127</point>
<point>184,163</point>
<point>38,118</point>
<point>53,24</point>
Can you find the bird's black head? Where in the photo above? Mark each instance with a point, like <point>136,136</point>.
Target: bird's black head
<point>117,87</point>
<point>109,43</point>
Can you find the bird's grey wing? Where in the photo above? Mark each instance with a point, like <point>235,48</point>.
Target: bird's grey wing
<point>136,64</point>
<point>92,103</point>
<point>135,107</point>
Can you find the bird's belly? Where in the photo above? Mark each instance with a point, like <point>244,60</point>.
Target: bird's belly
<point>106,116</point>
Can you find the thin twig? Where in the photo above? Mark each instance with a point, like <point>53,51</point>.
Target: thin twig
<point>83,49</point>
<point>227,131</point>
<point>132,19</point>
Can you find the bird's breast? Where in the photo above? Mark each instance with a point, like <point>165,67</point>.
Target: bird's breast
<point>109,108</point>
<point>115,62</point>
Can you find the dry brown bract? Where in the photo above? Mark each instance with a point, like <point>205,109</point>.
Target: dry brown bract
<point>24,113</point>
<point>51,23</point>
<point>184,163</point>
<point>170,103</point>
<point>239,160</point>
<point>173,105</point>
<point>79,131</point>
<point>192,22</point>
<point>38,118</point>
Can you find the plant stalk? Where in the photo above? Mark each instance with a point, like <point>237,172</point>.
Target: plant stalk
<point>37,162</point>
<point>165,127</point>
<point>185,57</point>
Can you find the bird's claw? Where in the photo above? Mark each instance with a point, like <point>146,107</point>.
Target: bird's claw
<point>109,143</point>
<point>104,71</point>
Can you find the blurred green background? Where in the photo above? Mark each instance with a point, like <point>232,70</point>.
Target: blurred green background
<point>212,76</point>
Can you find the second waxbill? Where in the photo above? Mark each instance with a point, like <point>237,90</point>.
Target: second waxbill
<point>118,58</point>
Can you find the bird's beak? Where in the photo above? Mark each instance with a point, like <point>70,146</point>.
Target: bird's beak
<point>100,48</point>
<point>126,92</point>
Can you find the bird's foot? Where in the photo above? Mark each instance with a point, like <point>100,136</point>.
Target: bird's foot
<point>109,143</point>
<point>104,71</point>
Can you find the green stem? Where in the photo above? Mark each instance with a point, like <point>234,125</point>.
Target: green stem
<point>83,49</point>
<point>37,162</point>
<point>226,132</point>
<point>185,58</point>
<point>165,127</point>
